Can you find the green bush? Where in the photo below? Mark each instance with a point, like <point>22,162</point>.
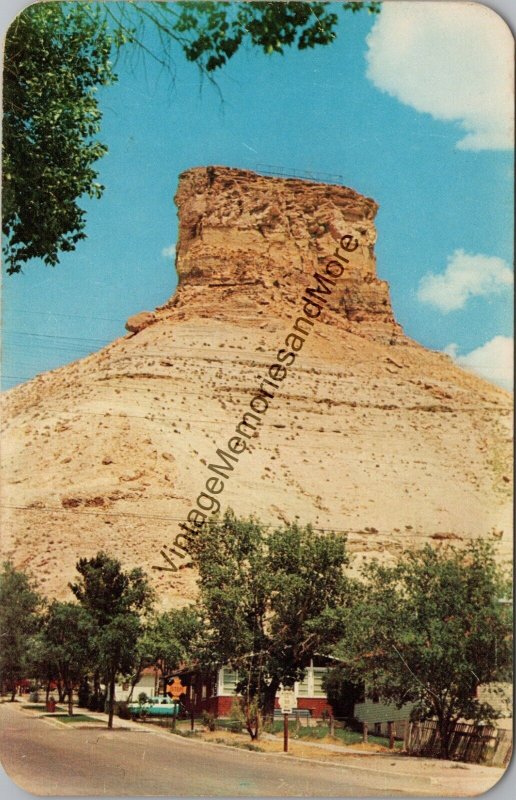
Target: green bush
<point>97,702</point>
<point>236,716</point>
<point>123,710</point>
<point>83,695</point>
<point>208,720</point>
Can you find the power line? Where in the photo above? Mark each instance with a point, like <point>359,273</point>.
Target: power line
<point>167,518</point>
<point>58,336</point>
<point>25,311</point>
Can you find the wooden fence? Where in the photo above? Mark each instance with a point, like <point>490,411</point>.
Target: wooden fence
<point>471,743</point>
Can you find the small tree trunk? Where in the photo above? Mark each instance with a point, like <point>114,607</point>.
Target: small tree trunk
<point>13,694</point>
<point>96,684</point>
<point>47,693</point>
<point>70,700</point>
<point>111,701</point>
<point>61,691</point>
<point>444,734</point>
<point>269,701</point>
<point>252,718</point>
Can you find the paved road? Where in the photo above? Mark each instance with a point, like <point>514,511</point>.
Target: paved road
<point>47,758</point>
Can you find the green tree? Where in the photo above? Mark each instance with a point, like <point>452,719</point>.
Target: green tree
<point>20,607</point>
<point>57,55</point>
<point>169,640</point>
<point>429,631</point>
<point>116,600</point>
<point>269,602</point>
<point>67,645</point>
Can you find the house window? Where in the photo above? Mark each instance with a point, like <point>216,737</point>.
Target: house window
<point>302,686</point>
<point>229,680</point>
<point>319,673</point>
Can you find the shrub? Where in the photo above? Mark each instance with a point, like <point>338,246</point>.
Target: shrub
<point>97,702</point>
<point>236,716</point>
<point>83,695</point>
<point>209,720</point>
<point>34,697</point>
<point>123,710</point>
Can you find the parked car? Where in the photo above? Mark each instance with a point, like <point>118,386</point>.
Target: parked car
<point>155,707</point>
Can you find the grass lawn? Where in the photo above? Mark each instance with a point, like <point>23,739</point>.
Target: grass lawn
<point>342,735</point>
<point>73,718</point>
<point>39,707</point>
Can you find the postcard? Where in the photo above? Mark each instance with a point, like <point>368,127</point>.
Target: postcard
<point>257,412</point>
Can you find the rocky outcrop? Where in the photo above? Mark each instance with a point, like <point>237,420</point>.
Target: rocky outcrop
<point>138,322</point>
<point>247,241</point>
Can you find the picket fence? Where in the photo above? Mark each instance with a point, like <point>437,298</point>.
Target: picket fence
<point>475,744</point>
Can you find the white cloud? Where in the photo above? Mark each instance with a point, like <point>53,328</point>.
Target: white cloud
<point>453,60</point>
<point>466,275</point>
<point>492,361</point>
<point>169,252</point>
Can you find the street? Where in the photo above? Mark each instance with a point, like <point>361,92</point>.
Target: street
<point>47,757</point>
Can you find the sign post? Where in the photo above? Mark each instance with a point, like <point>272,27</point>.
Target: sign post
<point>286,701</point>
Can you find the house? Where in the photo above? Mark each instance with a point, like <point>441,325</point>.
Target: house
<point>215,691</point>
<point>148,682</point>
<point>377,714</point>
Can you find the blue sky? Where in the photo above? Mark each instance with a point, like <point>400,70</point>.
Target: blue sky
<point>413,113</point>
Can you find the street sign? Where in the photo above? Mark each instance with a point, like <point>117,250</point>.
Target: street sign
<point>287,700</point>
<point>175,688</point>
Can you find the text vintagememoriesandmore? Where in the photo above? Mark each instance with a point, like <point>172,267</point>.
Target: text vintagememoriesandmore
<point>208,502</point>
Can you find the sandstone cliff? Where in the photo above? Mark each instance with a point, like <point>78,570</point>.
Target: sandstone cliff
<point>371,435</point>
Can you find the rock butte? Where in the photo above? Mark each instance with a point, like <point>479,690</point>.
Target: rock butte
<point>370,434</point>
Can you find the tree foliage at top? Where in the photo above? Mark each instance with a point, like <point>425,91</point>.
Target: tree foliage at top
<point>57,55</point>
<point>430,631</point>
<point>170,638</point>
<point>106,591</point>
<point>269,601</point>
<point>209,34</point>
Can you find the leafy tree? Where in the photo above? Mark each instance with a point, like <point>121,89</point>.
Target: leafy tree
<point>116,600</point>
<point>20,606</point>
<point>170,637</point>
<point>430,631</point>
<point>57,55</point>
<point>168,641</point>
<point>210,34</point>
<point>68,644</point>
<point>269,602</point>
